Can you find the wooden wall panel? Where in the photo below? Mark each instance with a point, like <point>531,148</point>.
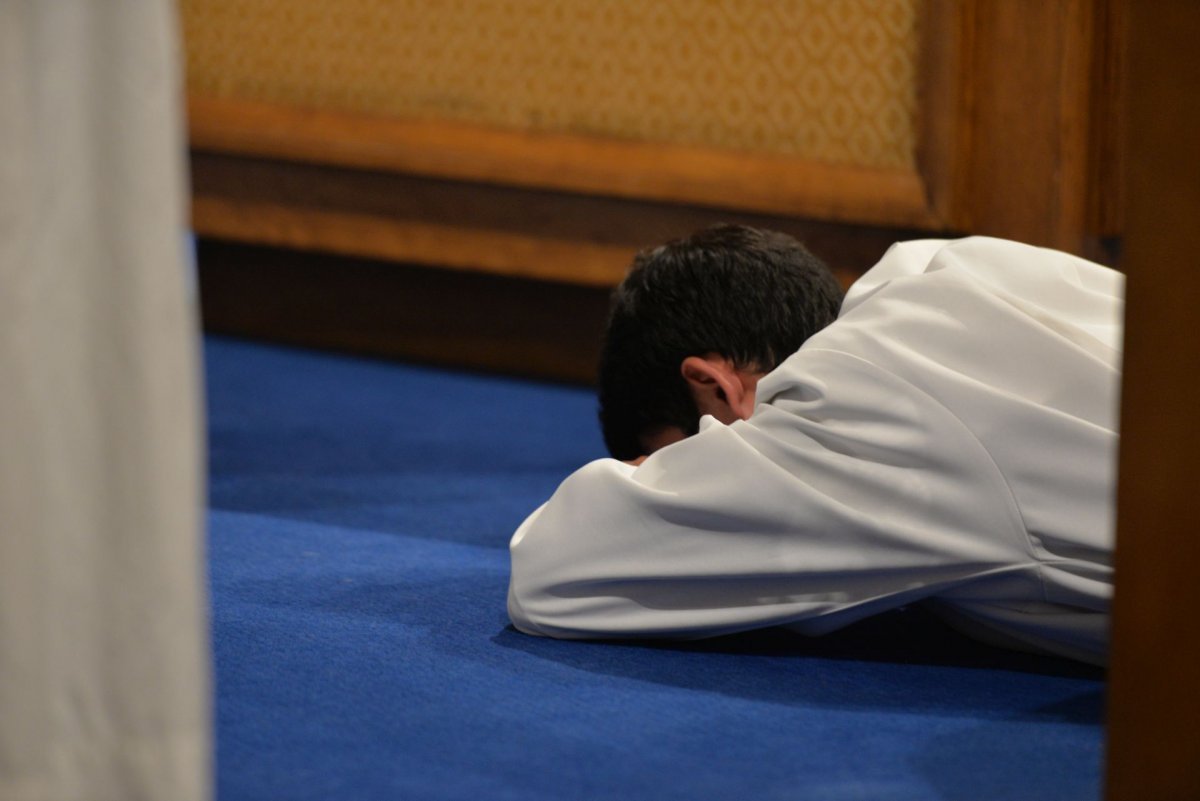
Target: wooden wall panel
<point>1015,121</point>
<point>1011,118</point>
<point>1014,139</point>
<point>828,81</point>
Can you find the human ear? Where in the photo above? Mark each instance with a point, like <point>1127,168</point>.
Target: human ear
<point>717,388</point>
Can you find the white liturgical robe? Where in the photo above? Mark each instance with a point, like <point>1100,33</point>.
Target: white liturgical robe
<point>951,438</point>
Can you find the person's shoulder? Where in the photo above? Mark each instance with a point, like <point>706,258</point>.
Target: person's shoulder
<point>1005,262</point>
<point>993,266</point>
<point>902,260</point>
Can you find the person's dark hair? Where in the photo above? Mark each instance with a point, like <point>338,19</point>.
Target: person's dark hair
<point>749,295</point>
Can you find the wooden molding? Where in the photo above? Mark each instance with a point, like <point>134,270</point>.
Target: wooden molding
<point>527,233</point>
<point>1013,141</point>
<point>443,244</point>
<point>944,104</point>
<point>581,164</point>
<point>1108,101</point>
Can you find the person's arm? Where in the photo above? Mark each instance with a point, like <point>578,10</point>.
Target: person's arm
<point>827,505</point>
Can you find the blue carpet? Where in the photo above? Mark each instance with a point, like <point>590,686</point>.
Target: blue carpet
<point>359,521</point>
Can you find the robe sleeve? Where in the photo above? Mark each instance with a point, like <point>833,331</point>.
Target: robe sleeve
<point>832,502</point>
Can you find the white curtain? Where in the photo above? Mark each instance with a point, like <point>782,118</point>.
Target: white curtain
<point>104,665</point>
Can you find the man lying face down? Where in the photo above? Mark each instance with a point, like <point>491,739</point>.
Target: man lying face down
<point>950,438</point>
<point>696,323</point>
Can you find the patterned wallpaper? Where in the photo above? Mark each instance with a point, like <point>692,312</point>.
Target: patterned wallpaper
<point>829,80</point>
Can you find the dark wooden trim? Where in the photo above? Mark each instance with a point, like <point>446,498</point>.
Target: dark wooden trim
<point>945,100</point>
<point>1154,700</point>
<point>1106,196</point>
<point>511,231</point>
<point>580,164</point>
<point>1008,133</point>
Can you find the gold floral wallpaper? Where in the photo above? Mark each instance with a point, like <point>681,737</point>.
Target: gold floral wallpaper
<point>828,80</point>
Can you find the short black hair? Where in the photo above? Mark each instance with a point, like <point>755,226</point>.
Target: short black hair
<point>752,296</point>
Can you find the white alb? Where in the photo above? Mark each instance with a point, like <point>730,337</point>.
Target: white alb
<point>950,438</point>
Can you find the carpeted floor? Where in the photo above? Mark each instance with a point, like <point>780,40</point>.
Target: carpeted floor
<point>359,521</point>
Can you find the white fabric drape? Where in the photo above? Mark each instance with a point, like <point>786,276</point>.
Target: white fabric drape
<point>104,671</point>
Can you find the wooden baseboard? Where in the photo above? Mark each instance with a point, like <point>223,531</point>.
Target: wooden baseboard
<point>511,231</point>
<point>462,319</point>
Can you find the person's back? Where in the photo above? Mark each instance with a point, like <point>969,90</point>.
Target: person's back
<point>951,437</point>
